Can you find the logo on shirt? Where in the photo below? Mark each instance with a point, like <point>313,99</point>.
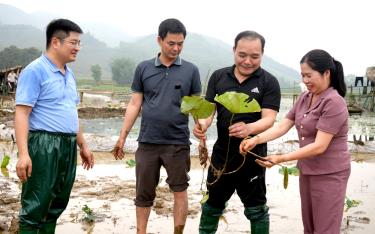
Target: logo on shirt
<point>255,90</point>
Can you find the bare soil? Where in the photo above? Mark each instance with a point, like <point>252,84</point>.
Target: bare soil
<point>7,113</point>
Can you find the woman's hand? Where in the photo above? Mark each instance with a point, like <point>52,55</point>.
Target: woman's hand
<point>270,161</point>
<point>248,144</point>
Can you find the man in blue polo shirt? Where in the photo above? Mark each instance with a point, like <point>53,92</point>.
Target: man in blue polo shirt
<point>245,76</point>
<point>47,130</point>
<point>159,85</point>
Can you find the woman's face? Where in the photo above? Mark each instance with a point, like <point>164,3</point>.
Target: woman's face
<point>314,81</point>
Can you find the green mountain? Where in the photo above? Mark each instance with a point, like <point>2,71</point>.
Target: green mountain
<point>24,30</point>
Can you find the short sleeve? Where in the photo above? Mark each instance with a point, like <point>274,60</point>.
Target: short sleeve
<point>196,87</point>
<point>334,115</point>
<point>211,91</point>
<point>291,115</point>
<point>137,85</point>
<point>28,88</point>
<point>272,95</point>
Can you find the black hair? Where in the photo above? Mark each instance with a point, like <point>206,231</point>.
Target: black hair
<point>250,35</point>
<point>60,28</point>
<point>321,61</point>
<point>171,26</point>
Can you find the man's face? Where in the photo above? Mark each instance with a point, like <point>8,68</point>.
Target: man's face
<point>69,47</point>
<point>171,46</point>
<point>247,56</point>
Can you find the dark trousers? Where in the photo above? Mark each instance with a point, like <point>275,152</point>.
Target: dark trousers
<point>46,193</point>
<point>249,182</point>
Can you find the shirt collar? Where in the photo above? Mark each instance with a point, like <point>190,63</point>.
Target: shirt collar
<point>53,66</point>
<point>324,93</point>
<point>321,96</point>
<point>256,73</point>
<point>158,63</point>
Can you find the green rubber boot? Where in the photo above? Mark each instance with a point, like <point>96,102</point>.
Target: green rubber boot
<point>259,219</point>
<point>209,219</point>
<point>48,228</point>
<point>26,229</point>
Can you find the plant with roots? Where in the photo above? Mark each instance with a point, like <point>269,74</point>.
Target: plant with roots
<point>236,103</point>
<point>199,108</point>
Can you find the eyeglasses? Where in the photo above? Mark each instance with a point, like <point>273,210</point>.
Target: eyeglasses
<point>76,44</point>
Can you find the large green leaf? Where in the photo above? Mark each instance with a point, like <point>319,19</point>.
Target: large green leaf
<point>197,106</point>
<point>237,103</point>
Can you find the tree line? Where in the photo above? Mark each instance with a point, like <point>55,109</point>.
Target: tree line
<point>122,68</point>
<point>13,56</point>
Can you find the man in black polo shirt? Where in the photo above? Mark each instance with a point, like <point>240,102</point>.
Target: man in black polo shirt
<point>245,76</point>
<point>159,85</point>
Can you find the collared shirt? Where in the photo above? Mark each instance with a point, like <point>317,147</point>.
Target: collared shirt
<point>260,85</point>
<point>51,94</point>
<point>329,114</point>
<point>163,88</point>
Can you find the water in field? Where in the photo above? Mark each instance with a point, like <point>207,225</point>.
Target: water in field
<point>102,134</point>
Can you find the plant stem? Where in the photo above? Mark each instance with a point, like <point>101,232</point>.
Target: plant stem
<point>261,158</point>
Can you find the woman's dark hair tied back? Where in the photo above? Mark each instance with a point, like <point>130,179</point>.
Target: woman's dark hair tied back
<point>334,63</point>
<point>321,61</point>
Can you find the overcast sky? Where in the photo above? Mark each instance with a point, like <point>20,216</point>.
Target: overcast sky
<point>346,29</point>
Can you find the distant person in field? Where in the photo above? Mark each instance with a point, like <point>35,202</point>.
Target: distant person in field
<point>47,130</point>
<point>12,80</point>
<point>245,76</point>
<point>321,118</point>
<point>158,87</point>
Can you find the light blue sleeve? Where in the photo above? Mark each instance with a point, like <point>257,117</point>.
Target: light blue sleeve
<point>28,87</point>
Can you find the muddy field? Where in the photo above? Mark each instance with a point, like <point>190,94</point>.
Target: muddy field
<point>84,112</point>
<point>108,190</point>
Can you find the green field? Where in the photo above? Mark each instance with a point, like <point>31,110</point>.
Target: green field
<point>105,85</point>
